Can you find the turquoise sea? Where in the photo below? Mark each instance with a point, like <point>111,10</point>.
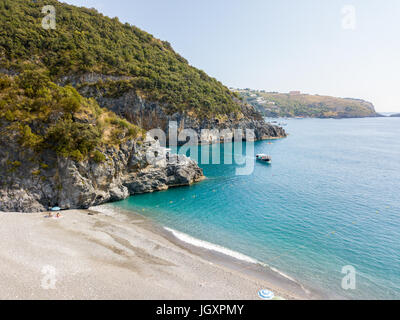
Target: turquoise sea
<point>331,198</point>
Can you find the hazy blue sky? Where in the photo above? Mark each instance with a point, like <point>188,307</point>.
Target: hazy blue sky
<point>280,45</point>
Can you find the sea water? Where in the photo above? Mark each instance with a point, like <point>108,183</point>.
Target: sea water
<point>330,199</point>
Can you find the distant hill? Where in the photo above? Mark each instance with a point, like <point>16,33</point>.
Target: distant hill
<point>395,115</point>
<point>295,104</point>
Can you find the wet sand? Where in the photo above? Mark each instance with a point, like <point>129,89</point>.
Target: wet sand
<point>88,254</point>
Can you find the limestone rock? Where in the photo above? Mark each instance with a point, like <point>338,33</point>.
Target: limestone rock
<point>70,184</point>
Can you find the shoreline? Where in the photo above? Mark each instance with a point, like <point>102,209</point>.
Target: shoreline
<point>278,282</point>
<point>282,285</point>
<point>110,254</point>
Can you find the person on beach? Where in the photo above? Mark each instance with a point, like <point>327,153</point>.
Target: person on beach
<point>50,215</point>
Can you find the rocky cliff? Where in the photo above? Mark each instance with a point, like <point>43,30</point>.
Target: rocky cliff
<point>44,155</point>
<point>32,186</point>
<point>58,148</point>
<point>108,92</point>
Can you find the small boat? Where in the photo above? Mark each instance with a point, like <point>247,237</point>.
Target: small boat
<point>264,158</point>
<point>55,209</point>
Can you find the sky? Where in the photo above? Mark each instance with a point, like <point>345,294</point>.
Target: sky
<point>343,48</point>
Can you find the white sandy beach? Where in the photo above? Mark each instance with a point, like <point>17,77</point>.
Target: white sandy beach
<point>109,256</point>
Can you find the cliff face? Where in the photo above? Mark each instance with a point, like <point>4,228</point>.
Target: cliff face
<point>32,186</point>
<point>150,115</point>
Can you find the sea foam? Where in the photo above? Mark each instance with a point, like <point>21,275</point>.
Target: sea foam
<point>211,246</point>
<point>217,248</point>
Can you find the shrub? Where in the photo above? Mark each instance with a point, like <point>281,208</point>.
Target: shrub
<point>74,154</point>
<point>73,139</point>
<point>98,157</point>
<point>32,82</point>
<point>14,165</point>
<point>27,138</point>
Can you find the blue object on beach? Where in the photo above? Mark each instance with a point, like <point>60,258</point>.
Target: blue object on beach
<point>55,209</point>
<point>266,294</point>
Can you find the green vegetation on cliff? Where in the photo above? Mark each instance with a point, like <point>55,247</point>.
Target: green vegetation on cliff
<point>86,41</point>
<point>273,104</point>
<point>42,115</point>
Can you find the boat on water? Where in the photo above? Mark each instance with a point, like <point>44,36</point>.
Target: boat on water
<point>264,158</point>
